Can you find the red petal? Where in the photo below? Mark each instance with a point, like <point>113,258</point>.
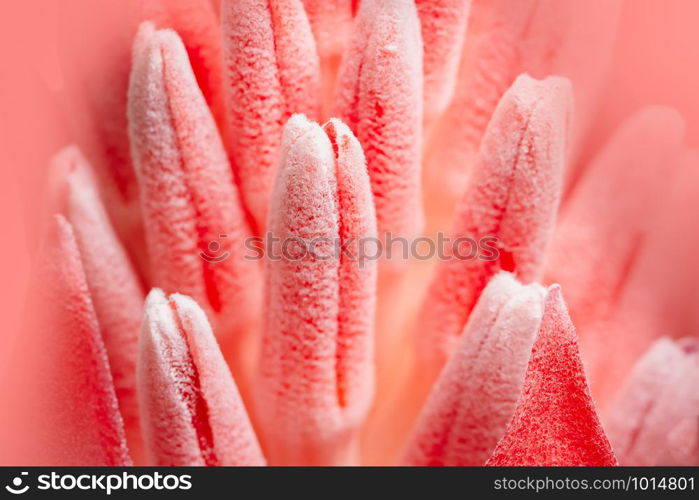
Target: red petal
<point>443,26</point>
<point>555,423</point>
<point>379,96</point>
<point>271,72</point>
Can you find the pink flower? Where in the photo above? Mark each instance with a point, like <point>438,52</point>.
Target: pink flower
<point>221,279</point>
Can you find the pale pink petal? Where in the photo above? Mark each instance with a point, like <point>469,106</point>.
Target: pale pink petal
<point>654,420</point>
<point>115,290</point>
<point>73,414</point>
<point>509,207</point>
<point>191,410</point>
<point>659,297</point>
<point>316,370</point>
<point>443,27</point>
<point>331,22</point>
<point>188,197</point>
<point>474,397</point>
<point>604,222</point>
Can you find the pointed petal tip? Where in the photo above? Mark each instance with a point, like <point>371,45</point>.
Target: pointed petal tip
<point>153,47</point>
<point>305,147</point>
<point>475,395</point>
<point>69,167</point>
<point>335,126</point>
<point>297,125</point>
<point>157,316</point>
<point>558,87</point>
<point>144,35</point>
<point>505,279</point>
<point>162,311</point>
<point>149,36</point>
<point>298,119</point>
<point>348,152</point>
<point>555,293</point>
<point>155,298</point>
<point>60,233</point>
<point>556,397</point>
<point>666,118</point>
<point>552,95</point>
<point>505,284</point>
<point>67,156</point>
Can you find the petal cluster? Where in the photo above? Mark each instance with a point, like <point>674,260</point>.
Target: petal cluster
<point>215,286</point>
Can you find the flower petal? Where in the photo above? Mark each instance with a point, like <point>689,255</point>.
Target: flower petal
<point>605,220</point>
<point>195,226</point>
<point>379,95</point>
<point>554,423</point>
<point>659,296</point>
<point>74,415</point>
<point>443,26</point>
<point>114,287</point>
<point>316,369</point>
<point>475,395</point>
<point>197,24</point>
<point>654,421</point>
<point>271,72</point>
<point>509,206</point>
<point>539,37</point>
<point>191,409</point>
<point>331,22</point>
<point>357,271</point>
